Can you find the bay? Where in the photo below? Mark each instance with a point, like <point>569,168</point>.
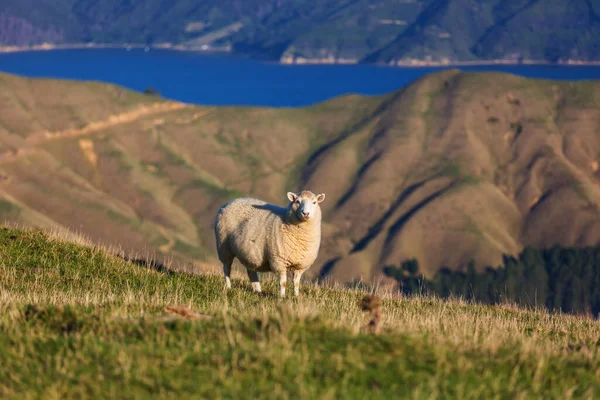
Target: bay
<point>229,80</point>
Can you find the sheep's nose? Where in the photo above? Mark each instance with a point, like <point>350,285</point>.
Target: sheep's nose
<point>305,214</point>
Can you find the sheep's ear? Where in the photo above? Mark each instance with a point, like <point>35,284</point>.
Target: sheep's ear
<point>320,197</point>
<point>292,196</point>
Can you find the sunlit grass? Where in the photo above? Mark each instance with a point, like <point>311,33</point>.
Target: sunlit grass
<point>77,322</point>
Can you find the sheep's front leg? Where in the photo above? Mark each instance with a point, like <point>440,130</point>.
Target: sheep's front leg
<point>297,277</point>
<point>254,280</point>
<point>282,283</point>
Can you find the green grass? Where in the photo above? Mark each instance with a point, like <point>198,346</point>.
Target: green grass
<point>76,322</point>
<point>212,189</point>
<point>195,252</point>
<point>8,209</point>
<point>124,164</point>
<point>118,217</point>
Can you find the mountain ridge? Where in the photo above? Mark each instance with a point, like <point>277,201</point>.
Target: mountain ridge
<point>408,32</point>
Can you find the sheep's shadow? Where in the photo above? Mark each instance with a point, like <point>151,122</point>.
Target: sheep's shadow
<point>265,295</point>
<point>148,263</point>
<point>246,289</point>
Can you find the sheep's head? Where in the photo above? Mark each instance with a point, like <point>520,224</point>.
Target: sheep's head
<point>305,205</point>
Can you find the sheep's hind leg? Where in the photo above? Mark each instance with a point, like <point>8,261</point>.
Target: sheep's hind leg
<point>297,277</point>
<point>254,279</point>
<point>227,272</point>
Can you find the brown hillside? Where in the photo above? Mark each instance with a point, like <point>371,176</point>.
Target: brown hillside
<point>454,167</point>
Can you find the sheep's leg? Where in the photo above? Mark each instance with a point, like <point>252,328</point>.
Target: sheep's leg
<point>227,273</point>
<point>282,283</point>
<point>297,276</point>
<point>226,257</point>
<point>253,275</point>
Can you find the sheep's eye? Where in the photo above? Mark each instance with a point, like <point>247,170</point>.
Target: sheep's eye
<point>314,202</point>
<point>297,201</point>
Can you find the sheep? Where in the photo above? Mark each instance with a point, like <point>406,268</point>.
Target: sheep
<point>268,238</point>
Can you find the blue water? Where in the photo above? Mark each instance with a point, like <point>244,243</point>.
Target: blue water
<point>228,80</point>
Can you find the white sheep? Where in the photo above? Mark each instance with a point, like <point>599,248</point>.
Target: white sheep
<point>265,237</point>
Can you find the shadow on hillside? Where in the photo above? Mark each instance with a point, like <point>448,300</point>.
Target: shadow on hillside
<point>244,287</point>
<point>265,294</point>
<point>148,263</point>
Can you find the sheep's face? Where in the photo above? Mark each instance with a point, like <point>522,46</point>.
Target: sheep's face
<point>305,205</point>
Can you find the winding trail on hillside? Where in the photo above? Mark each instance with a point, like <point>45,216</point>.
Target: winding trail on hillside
<point>97,126</point>
<point>112,121</point>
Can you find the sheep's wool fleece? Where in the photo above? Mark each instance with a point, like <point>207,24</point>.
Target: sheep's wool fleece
<point>257,234</point>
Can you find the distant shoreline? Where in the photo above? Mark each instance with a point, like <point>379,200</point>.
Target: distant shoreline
<point>497,62</point>
<point>423,63</point>
<point>287,61</point>
<point>92,46</point>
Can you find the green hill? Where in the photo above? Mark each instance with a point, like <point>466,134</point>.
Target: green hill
<point>453,168</point>
<point>386,31</point>
<point>77,322</point>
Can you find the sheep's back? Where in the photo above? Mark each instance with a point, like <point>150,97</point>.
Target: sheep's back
<point>246,222</point>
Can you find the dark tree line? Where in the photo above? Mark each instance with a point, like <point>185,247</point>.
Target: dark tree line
<point>558,278</point>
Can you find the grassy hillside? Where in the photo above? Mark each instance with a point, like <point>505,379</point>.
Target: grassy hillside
<point>145,173</point>
<point>77,322</point>
<point>455,167</point>
<point>386,31</point>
